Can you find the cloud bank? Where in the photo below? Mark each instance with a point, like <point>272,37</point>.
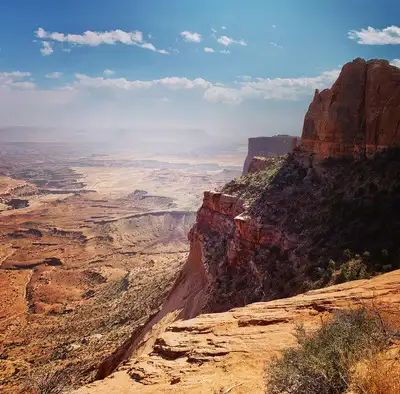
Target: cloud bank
<point>371,36</point>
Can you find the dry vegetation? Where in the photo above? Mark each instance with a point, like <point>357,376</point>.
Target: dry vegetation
<point>354,352</point>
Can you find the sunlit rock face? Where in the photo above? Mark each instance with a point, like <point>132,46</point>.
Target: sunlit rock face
<point>359,114</point>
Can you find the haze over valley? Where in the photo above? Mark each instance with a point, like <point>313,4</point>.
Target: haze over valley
<point>199,197</point>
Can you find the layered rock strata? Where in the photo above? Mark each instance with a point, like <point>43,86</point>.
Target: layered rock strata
<point>359,115</point>
<point>288,226</point>
<point>228,352</point>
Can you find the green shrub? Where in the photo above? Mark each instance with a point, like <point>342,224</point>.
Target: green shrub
<point>353,269</point>
<point>323,361</point>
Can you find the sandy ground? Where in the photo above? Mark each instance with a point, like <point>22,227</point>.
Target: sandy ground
<point>223,159</point>
<point>184,187</point>
<point>64,258</point>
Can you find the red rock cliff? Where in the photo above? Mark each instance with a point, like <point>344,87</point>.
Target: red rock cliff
<point>276,232</point>
<point>359,113</point>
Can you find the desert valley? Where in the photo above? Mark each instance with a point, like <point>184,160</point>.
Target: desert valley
<point>84,239</point>
<point>199,197</point>
<point>104,259</point>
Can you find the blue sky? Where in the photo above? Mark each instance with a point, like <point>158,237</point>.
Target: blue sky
<point>232,67</point>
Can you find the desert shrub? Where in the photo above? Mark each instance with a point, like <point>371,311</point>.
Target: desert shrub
<point>379,374</point>
<point>353,269</point>
<point>47,381</point>
<point>323,361</point>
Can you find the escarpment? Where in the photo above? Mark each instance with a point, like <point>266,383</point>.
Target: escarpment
<point>294,224</point>
<point>359,115</point>
<point>267,147</point>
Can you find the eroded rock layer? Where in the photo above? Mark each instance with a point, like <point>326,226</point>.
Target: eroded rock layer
<point>279,232</point>
<point>359,114</point>
<point>267,147</point>
<point>214,353</point>
<point>288,226</point>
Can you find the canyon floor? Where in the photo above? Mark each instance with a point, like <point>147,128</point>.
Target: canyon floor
<point>90,245</point>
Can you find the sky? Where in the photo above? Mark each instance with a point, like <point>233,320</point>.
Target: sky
<point>234,68</point>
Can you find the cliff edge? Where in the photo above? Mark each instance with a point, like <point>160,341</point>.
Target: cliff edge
<point>291,225</point>
<point>268,147</point>
<point>359,115</point>
<point>214,353</point>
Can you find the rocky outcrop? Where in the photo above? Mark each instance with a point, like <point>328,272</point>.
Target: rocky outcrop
<point>285,228</point>
<point>228,352</point>
<point>268,146</point>
<point>358,115</point>
<point>258,164</point>
<point>275,233</point>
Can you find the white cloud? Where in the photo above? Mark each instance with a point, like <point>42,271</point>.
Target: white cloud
<point>225,52</point>
<point>163,51</point>
<point>395,62</point>
<point>111,101</point>
<point>99,100</point>
<point>47,48</point>
<point>191,37</point>
<point>271,89</point>
<point>218,94</point>
<point>209,50</point>
<point>94,39</point>
<point>274,44</point>
<point>223,27</point>
<point>16,80</point>
<point>15,74</point>
<point>54,75</point>
<point>259,89</point>
<point>372,36</point>
<point>274,26</point>
<point>213,30</point>
<point>148,45</point>
<point>122,83</point>
<point>224,40</point>
<point>108,72</point>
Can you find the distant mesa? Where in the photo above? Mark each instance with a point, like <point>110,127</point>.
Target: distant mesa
<point>268,146</point>
<point>358,115</point>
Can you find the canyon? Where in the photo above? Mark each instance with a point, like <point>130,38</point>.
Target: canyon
<point>87,253</point>
<point>277,245</point>
<point>101,284</point>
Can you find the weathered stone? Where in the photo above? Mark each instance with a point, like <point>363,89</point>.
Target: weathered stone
<point>215,352</point>
<point>268,146</point>
<point>359,113</point>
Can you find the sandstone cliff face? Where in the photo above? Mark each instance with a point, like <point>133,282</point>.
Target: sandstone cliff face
<point>228,352</point>
<point>359,114</point>
<point>288,226</point>
<point>268,146</point>
<point>273,234</point>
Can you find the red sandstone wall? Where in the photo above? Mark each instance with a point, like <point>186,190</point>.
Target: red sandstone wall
<point>360,112</point>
